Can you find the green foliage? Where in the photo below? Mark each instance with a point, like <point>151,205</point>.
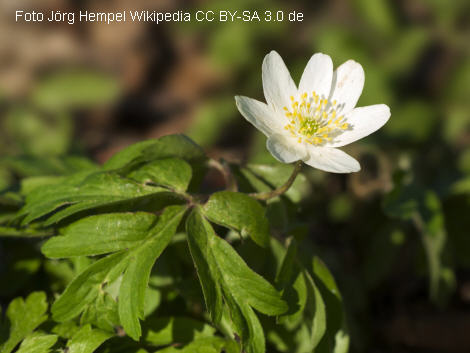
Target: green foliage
<point>112,233</point>
<point>86,340</point>
<point>225,276</point>
<point>37,343</point>
<point>22,317</point>
<point>239,212</point>
<point>424,209</point>
<point>100,227</point>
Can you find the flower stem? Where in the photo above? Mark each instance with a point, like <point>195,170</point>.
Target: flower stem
<point>223,167</point>
<point>280,190</point>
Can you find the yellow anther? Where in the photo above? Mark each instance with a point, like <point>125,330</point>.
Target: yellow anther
<point>312,120</point>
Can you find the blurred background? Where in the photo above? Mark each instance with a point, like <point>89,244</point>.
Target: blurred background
<point>396,234</point>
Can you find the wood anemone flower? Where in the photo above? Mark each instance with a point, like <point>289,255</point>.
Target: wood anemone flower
<point>308,123</point>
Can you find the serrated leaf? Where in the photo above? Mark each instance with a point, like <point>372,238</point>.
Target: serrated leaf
<point>102,313</point>
<point>239,212</point>
<point>87,340</point>
<point>140,263</point>
<point>65,329</point>
<point>245,284</point>
<point>170,146</point>
<point>22,317</point>
<point>100,234</point>
<point>223,273</point>
<point>169,330</point>
<point>170,172</point>
<point>82,191</point>
<point>200,245</point>
<point>37,343</point>
<point>85,287</point>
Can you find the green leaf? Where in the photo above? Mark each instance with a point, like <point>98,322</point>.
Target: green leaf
<point>169,330</point>
<point>30,166</point>
<point>139,252</point>
<point>201,244</point>
<point>127,155</point>
<point>293,284</point>
<point>22,317</point>
<point>239,212</point>
<point>80,192</point>
<point>100,234</point>
<point>224,274</point>
<point>27,232</point>
<point>245,284</point>
<point>87,340</point>
<point>102,313</point>
<point>37,343</point>
<point>71,89</point>
<point>170,172</point>
<point>170,146</point>
<point>140,262</point>
<point>65,329</point>
<point>324,286</point>
<point>85,288</point>
<point>317,310</point>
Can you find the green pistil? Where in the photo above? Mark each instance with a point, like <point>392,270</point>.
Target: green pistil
<point>308,127</point>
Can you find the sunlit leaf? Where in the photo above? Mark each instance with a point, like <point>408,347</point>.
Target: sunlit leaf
<point>22,317</point>
<point>239,212</point>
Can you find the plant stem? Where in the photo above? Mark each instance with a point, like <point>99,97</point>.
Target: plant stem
<point>224,169</point>
<point>433,262</point>
<point>282,189</point>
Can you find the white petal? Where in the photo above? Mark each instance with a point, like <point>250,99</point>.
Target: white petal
<point>259,114</point>
<point>348,81</point>
<point>363,121</point>
<point>278,85</point>
<point>331,160</point>
<point>317,76</point>
<point>286,149</point>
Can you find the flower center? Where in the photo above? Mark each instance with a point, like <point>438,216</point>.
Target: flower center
<point>314,120</point>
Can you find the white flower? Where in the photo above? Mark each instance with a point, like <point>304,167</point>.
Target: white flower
<point>308,123</point>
